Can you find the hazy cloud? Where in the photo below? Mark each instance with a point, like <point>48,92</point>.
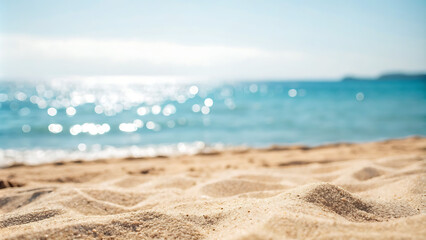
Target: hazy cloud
<point>45,57</point>
<point>29,55</point>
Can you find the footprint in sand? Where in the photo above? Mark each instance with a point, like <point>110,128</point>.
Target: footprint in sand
<point>260,178</point>
<point>231,187</point>
<point>367,173</point>
<point>131,181</point>
<point>84,203</point>
<point>127,199</point>
<point>177,182</point>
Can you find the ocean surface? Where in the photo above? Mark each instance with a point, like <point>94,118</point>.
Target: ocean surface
<point>50,121</point>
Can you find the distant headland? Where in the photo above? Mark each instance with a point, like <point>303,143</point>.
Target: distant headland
<point>389,77</point>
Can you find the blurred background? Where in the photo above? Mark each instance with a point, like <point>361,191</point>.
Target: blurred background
<point>96,79</point>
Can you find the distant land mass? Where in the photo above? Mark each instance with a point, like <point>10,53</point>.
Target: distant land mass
<point>390,77</point>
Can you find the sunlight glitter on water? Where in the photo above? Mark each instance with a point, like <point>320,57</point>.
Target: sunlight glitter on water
<point>51,115</point>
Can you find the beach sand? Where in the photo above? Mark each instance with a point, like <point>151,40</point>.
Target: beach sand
<point>338,191</point>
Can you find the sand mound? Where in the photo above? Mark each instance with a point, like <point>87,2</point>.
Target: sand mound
<point>344,191</point>
<point>347,205</point>
<point>335,199</point>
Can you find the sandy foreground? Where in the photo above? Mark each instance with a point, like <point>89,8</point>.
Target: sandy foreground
<point>340,191</point>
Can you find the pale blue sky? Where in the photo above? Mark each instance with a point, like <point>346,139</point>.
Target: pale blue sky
<point>213,39</point>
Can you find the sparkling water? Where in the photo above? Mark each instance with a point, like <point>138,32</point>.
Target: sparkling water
<point>48,121</point>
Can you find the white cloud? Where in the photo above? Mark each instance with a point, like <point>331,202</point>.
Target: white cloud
<point>124,51</point>
<point>43,56</point>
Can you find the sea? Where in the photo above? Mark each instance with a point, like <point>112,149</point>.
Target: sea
<point>55,120</point>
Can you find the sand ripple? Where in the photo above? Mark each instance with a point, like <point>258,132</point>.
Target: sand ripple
<point>343,191</point>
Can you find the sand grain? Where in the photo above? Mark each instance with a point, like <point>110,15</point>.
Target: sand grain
<point>340,191</point>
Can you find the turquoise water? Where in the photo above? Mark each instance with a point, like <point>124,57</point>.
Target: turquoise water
<point>56,119</point>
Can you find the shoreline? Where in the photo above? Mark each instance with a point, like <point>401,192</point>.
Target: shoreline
<point>334,191</point>
<point>26,157</point>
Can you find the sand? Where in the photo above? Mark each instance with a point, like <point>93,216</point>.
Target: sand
<point>339,191</point>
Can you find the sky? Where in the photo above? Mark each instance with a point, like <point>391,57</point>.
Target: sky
<point>245,39</point>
